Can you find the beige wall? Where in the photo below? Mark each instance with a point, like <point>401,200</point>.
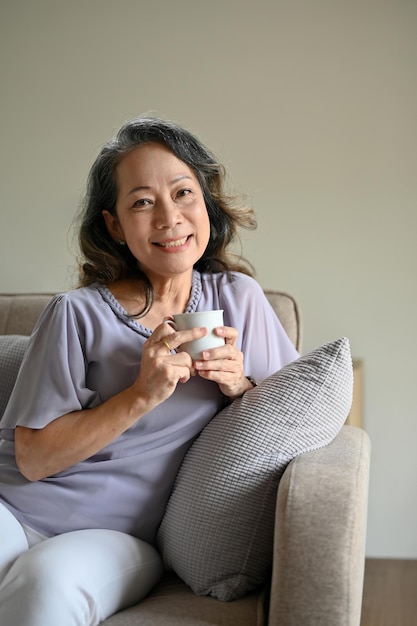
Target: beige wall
<point>312,106</point>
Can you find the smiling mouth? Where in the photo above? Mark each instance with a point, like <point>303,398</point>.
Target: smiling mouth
<point>173,244</point>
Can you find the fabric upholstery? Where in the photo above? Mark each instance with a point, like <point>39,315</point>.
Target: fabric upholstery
<point>19,312</point>
<point>320,531</point>
<point>289,313</point>
<point>12,349</point>
<point>217,532</point>
<point>172,603</point>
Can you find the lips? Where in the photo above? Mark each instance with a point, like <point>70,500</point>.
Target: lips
<point>174,243</point>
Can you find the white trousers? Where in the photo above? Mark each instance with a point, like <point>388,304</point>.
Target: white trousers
<point>75,579</point>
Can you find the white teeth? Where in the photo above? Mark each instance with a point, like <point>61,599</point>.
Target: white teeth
<point>174,244</point>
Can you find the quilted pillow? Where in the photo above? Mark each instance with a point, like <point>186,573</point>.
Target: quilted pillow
<point>12,349</point>
<point>217,530</point>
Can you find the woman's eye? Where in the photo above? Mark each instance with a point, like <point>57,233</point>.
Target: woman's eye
<point>184,192</point>
<point>141,203</point>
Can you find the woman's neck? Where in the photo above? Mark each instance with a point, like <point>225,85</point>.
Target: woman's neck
<point>171,295</point>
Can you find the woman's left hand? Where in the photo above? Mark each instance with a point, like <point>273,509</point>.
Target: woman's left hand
<point>224,365</point>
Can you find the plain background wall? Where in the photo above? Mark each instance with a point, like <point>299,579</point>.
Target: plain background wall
<point>312,107</point>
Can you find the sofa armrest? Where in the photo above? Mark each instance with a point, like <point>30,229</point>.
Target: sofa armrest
<point>320,529</point>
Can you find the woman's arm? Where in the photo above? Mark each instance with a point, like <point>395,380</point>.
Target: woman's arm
<point>76,436</point>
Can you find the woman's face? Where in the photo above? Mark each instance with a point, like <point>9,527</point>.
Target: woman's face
<point>161,213</point>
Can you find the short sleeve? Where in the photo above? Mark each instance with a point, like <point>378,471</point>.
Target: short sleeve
<point>52,377</point>
<point>265,344</point>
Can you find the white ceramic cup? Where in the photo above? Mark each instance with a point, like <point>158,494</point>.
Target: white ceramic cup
<point>207,319</point>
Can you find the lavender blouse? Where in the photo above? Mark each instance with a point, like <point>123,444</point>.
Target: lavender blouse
<point>83,350</point>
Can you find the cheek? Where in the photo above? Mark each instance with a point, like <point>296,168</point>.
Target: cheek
<point>205,227</point>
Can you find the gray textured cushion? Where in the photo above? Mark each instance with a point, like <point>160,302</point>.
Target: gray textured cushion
<point>12,349</point>
<point>217,531</point>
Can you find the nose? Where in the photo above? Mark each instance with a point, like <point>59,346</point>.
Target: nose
<point>167,214</point>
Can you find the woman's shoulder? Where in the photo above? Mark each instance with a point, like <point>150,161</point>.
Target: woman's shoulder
<point>233,283</point>
<point>228,278</point>
<point>234,292</point>
<point>82,296</point>
<point>78,302</point>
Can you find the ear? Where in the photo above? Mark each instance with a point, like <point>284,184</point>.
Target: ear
<point>113,226</point>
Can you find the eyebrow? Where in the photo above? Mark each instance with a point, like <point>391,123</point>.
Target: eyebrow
<point>147,187</point>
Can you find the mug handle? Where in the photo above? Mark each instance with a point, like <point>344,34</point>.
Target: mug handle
<point>170,322</point>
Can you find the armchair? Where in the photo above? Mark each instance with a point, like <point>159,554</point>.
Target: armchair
<point>320,523</point>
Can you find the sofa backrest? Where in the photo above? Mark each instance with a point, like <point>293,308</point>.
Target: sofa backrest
<point>19,313</point>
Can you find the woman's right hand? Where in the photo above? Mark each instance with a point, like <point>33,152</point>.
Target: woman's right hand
<point>161,367</point>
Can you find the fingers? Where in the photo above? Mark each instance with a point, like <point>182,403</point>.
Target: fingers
<point>227,371</point>
<point>229,334</point>
<point>165,338</point>
<point>163,367</point>
<point>224,365</point>
<point>226,359</point>
<point>166,344</point>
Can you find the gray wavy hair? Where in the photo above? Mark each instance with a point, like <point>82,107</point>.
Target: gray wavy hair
<point>103,260</point>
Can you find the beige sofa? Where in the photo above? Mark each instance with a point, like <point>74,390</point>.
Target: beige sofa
<point>318,551</point>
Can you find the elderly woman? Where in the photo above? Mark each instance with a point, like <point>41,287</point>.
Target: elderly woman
<point>104,407</point>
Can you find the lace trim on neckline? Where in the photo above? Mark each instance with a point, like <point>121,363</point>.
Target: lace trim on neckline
<point>122,314</point>
<point>195,295</point>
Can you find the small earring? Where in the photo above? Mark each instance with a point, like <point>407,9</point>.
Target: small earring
<point>121,242</point>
